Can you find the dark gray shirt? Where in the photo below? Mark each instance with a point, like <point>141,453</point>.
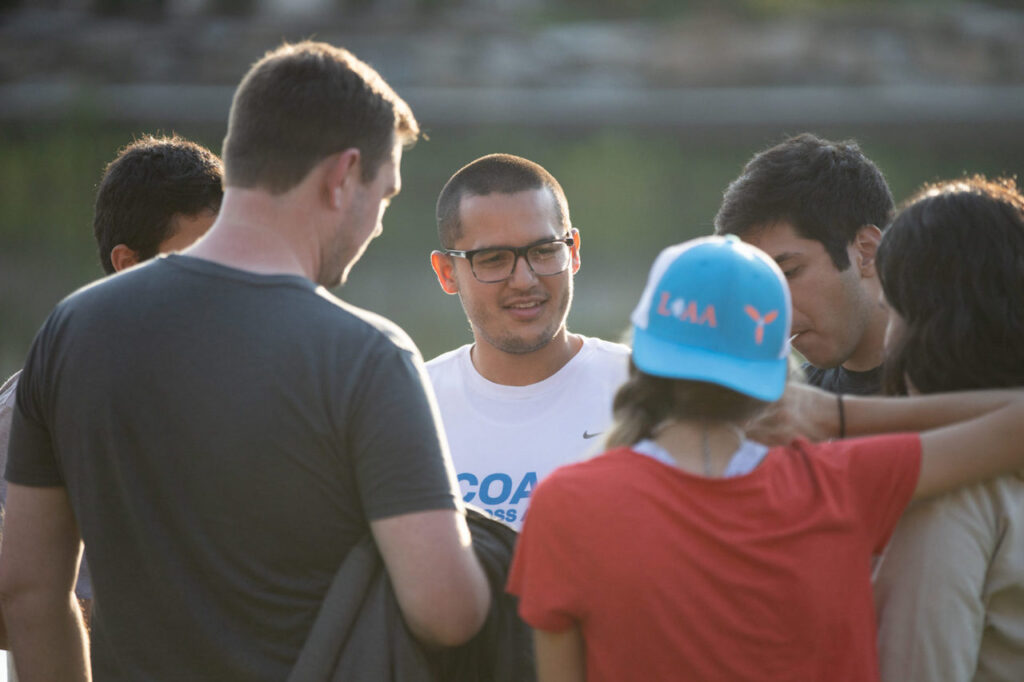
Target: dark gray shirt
<point>224,438</point>
<point>841,380</point>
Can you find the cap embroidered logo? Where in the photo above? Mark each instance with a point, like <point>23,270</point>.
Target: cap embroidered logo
<point>761,321</point>
<point>693,320</point>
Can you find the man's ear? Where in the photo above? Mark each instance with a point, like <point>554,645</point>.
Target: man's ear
<point>444,268</point>
<point>123,257</point>
<point>865,245</point>
<point>339,172</point>
<point>575,234</point>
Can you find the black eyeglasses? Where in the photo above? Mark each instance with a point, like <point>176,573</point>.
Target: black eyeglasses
<point>491,265</point>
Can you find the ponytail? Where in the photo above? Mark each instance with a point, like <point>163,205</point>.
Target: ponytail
<point>640,404</point>
<point>645,401</point>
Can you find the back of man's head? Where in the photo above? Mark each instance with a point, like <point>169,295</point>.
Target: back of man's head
<point>153,180</point>
<point>501,173</point>
<point>826,190</point>
<point>301,103</point>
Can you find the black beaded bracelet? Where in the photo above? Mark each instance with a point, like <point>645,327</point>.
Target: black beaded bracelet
<point>842,415</point>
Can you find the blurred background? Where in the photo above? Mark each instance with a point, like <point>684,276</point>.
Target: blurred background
<point>643,109</point>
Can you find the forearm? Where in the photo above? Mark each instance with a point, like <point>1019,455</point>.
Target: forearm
<point>47,637</point>
<point>561,656</point>
<point>864,416</point>
<point>448,616</point>
<point>439,583</point>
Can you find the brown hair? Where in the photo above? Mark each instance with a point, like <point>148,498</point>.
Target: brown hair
<point>501,173</point>
<point>645,401</point>
<point>301,103</point>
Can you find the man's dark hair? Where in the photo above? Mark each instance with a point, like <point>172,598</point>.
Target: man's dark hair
<point>826,190</point>
<point>151,181</point>
<point>952,265</point>
<point>501,173</point>
<point>301,103</point>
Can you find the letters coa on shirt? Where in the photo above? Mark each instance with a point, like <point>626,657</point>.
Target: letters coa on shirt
<point>503,496</point>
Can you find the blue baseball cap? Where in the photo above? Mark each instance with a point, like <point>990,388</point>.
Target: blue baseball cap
<point>717,310</point>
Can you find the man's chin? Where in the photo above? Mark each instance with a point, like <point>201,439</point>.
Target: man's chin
<point>821,362</point>
<point>819,359</point>
<point>522,345</point>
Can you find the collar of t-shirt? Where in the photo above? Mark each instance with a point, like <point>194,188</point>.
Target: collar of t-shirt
<point>484,388</point>
<point>743,461</point>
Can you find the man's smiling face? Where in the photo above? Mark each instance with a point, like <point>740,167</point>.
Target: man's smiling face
<point>525,312</point>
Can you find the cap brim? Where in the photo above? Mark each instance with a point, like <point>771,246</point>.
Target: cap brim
<point>761,379</point>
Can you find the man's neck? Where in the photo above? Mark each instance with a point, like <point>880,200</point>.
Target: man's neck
<point>870,352</point>
<point>262,233</point>
<point>522,369</point>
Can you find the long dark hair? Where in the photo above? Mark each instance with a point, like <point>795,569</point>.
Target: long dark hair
<point>952,266</point>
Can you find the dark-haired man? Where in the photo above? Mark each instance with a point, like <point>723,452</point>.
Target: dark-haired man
<point>158,196</point>
<point>818,208</point>
<point>527,395</point>
<point>223,431</point>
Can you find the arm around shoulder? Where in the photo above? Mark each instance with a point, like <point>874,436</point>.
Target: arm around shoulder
<point>979,448</point>
<point>966,436</point>
<point>439,583</point>
<point>986,424</point>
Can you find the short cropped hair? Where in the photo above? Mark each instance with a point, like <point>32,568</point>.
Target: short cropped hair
<point>501,173</point>
<point>952,266</point>
<point>826,190</point>
<point>151,181</point>
<point>303,102</point>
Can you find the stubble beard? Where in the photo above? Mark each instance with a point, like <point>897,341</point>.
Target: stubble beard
<point>517,344</point>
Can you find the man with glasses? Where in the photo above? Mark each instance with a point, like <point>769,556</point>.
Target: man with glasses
<point>527,396</point>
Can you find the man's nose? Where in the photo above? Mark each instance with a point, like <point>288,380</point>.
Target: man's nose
<point>522,274</point>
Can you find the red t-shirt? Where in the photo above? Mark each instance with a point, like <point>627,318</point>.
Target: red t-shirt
<point>764,576</point>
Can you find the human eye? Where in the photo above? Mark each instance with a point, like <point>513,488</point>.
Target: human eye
<point>492,258</point>
<point>544,251</point>
<point>793,271</point>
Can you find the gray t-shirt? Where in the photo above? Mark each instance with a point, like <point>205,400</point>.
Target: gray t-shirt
<point>841,380</point>
<point>224,438</point>
<point>83,587</point>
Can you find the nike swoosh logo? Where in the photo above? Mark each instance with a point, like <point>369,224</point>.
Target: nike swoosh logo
<point>588,435</point>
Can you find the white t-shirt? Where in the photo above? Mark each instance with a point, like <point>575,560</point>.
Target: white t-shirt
<point>505,439</point>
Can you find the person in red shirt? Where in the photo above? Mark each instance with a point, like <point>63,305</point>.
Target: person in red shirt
<point>688,551</point>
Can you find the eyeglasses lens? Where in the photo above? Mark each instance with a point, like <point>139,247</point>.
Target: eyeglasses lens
<point>495,265</point>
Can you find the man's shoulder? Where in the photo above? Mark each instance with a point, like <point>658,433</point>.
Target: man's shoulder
<point>604,348</point>
<point>370,323</point>
<point>446,360</point>
<point>604,357</point>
